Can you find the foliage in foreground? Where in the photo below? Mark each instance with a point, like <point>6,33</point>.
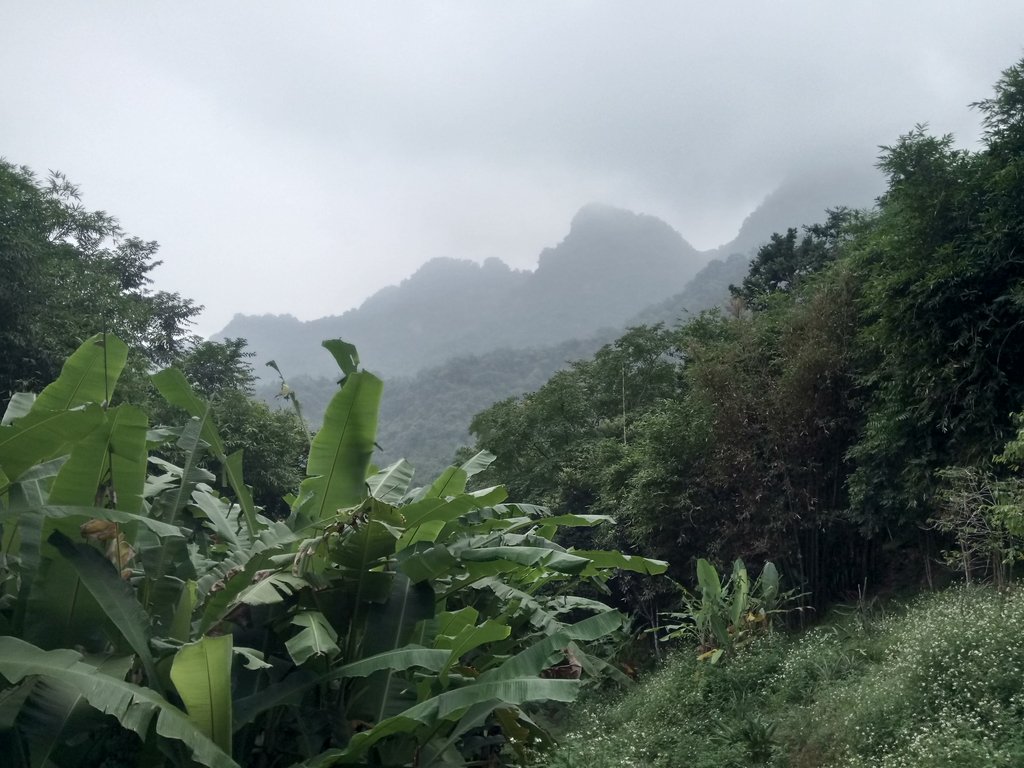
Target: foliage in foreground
<point>379,624</point>
<point>939,684</point>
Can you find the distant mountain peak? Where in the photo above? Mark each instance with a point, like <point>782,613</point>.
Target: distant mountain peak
<point>610,266</point>
<point>604,219</point>
<point>603,236</point>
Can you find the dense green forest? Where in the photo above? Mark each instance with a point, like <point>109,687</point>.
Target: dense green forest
<point>188,576</point>
<point>868,368</point>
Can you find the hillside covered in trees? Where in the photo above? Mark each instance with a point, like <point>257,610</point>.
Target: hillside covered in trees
<point>457,336</point>
<point>426,416</point>
<point>864,378</point>
<point>190,577</point>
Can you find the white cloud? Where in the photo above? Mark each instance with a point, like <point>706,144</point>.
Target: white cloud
<point>297,158</point>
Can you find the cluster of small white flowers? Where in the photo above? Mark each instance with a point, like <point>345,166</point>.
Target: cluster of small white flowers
<point>806,662</point>
<point>950,689</point>
<point>597,743</point>
<point>939,685</point>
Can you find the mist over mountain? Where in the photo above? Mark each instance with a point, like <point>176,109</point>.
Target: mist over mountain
<point>613,269</point>
<point>610,265</point>
<point>801,200</point>
<point>457,336</point>
<point>708,289</point>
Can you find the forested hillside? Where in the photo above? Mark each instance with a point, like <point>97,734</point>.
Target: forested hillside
<point>582,293</point>
<point>191,577</point>
<point>188,577</point>
<point>426,417</point>
<point>840,412</point>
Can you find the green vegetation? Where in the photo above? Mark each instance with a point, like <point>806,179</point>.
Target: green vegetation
<point>189,577</point>
<point>378,624</point>
<point>820,421</point>
<point>851,417</point>
<point>425,418</point>
<point>68,273</point>
<point>938,684</point>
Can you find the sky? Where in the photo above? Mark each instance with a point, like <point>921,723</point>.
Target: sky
<point>297,157</point>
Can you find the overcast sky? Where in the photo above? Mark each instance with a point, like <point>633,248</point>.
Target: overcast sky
<point>296,157</point>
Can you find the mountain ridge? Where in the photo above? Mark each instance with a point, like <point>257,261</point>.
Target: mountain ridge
<point>613,268</point>
<point>610,265</point>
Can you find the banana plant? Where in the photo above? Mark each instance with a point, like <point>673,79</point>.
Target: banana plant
<point>725,616</point>
<point>380,624</point>
<point>76,529</point>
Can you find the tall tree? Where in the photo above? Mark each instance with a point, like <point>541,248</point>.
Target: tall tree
<point>942,310</point>
<point>68,273</point>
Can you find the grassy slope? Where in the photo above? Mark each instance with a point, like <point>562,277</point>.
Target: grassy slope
<point>940,683</point>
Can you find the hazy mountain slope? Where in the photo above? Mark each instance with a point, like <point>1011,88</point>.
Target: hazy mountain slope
<point>609,269</point>
<point>425,417</point>
<point>709,289</point>
<point>434,337</point>
<point>797,203</point>
<point>802,200</point>
<point>611,265</point>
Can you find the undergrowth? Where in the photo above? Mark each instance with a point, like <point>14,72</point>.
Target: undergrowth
<point>936,683</point>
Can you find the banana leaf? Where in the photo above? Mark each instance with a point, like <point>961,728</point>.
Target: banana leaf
<point>558,521</point>
<point>422,562</point>
<point>391,483</point>
<point>175,388</point>
<point>43,435</point>
<point>114,597</point>
<point>452,704</point>
<point>316,638</point>
<point>285,691</point>
<point>201,673</point>
<point>421,511</point>
<point>470,638</point>
<point>540,655</point>
<point>19,405</point>
<point>55,713</point>
<point>133,706</point>
<point>60,612</point>
<point>707,579</point>
<point>344,354</point>
<point>272,589</point>
<point>88,376</point>
<point>478,463</point>
<point>563,562</point>
<point>451,482</point>
<point>740,593</point>
<point>536,613</point>
<point>340,454</point>
<point>190,475</point>
<point>216,510</point>
<point>605,559</point>
<point>219,603</point>
<point>117,447</point>
<point>181,619</point>
<point>388,626</point>
<point>160,529</point>
<point>399,660</point>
